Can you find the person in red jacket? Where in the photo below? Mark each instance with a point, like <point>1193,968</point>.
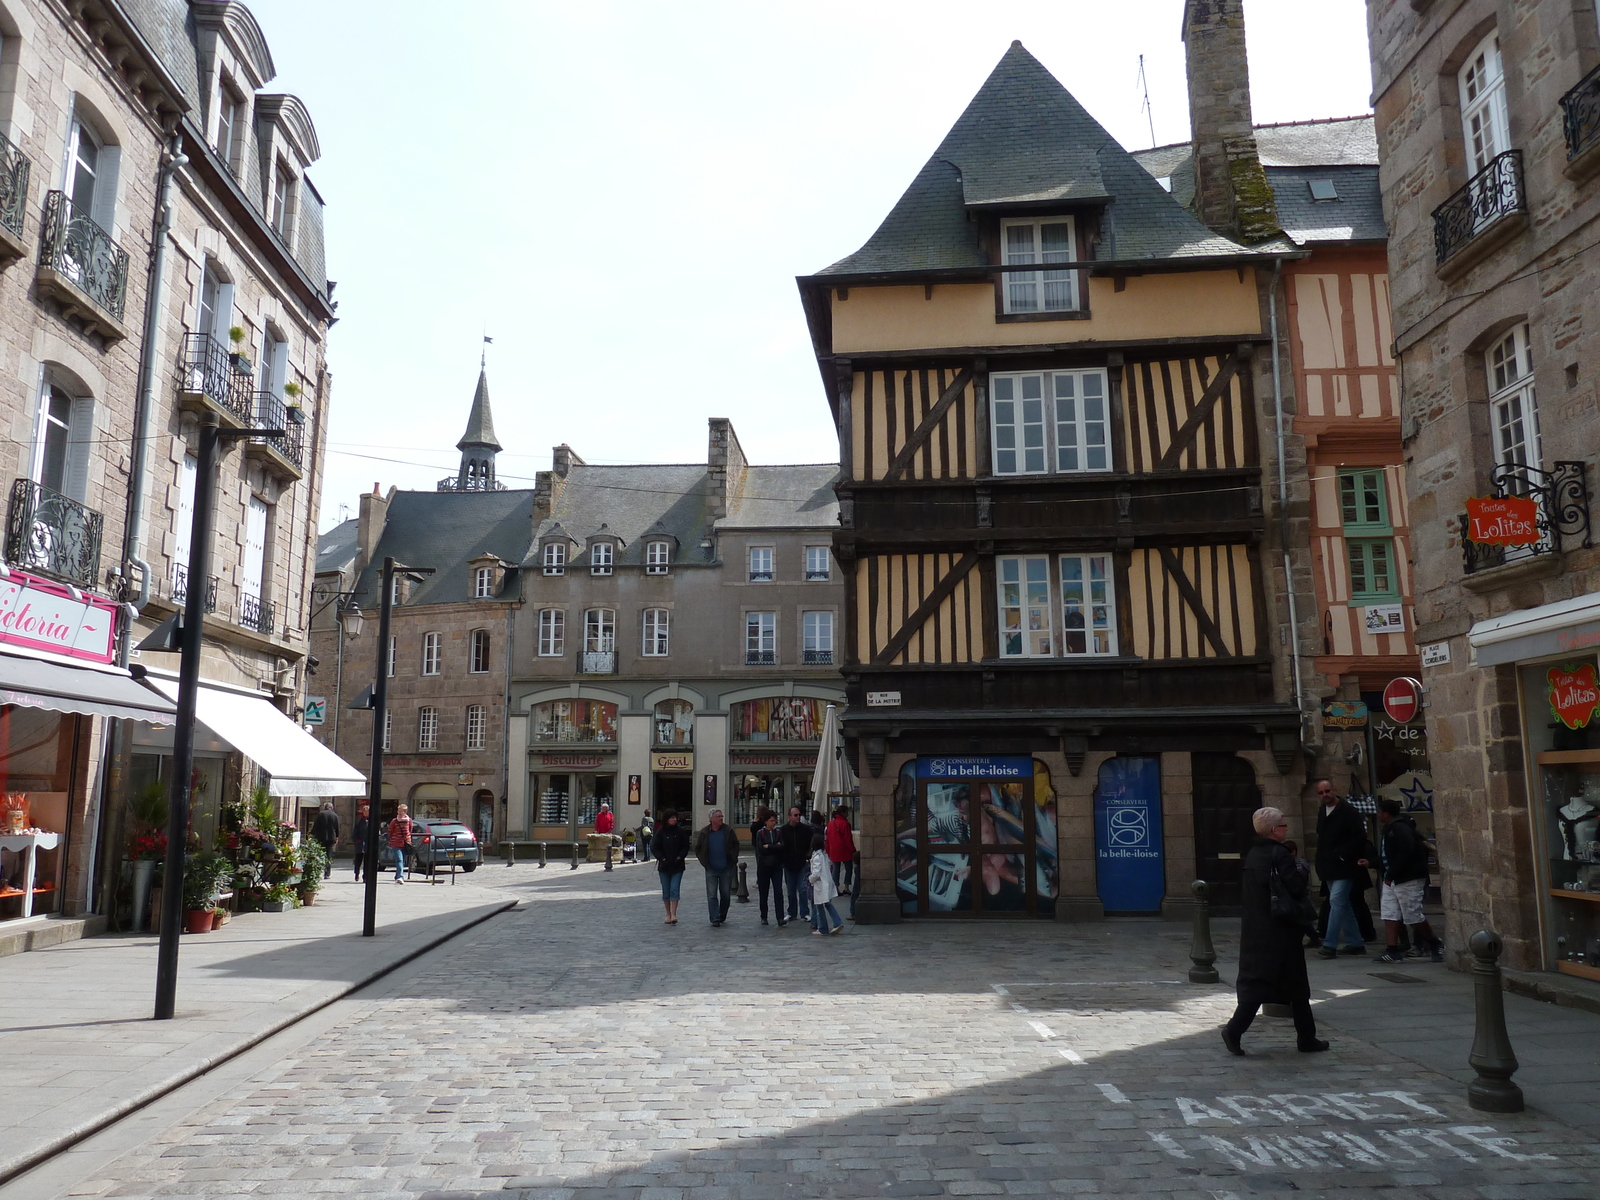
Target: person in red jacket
<point>400,841</point>
<point>840,843</point>
<point>605,820</point>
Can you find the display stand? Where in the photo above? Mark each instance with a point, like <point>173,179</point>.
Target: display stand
<point>29,845</point>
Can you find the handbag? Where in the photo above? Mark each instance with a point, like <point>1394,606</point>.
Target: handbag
<point>1294,910</point>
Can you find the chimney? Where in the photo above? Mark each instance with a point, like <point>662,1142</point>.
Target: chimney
<point>724,466</point>
<point>1230,189</point>
<point>563,458</point>
<point>369,524</point>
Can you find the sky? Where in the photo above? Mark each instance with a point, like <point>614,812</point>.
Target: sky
<point>621,192</point>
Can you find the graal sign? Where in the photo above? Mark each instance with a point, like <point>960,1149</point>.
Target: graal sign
<point>44,616</point>
<point>1502,520</point>
<point>1574,694</point>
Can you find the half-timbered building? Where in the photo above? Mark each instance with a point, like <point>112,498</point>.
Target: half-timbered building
<point>1067,637</point>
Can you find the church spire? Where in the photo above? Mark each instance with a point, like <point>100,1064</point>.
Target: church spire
<point>478,446</point>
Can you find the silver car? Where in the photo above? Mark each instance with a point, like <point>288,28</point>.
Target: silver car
<point>436,842</point>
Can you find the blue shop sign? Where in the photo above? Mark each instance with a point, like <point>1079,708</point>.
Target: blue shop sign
<point>1130,867</point>
<point>975,766</point>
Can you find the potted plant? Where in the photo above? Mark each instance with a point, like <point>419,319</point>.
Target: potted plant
<point>278,897</point>
<point>147,845</point>
<point>296,414</point>
<point>237,357</point>
<point>203,876</point>
<point>313,862</point>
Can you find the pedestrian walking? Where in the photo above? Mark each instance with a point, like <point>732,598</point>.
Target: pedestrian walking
<point>769,866</point>
<point>823,889</point>
<point>796,862</point>
<point>717,848</point>
<point>325,831</point>
<point>1341,842</point>
<point>358,837</point>
<point>400,841</point>
<point>1272,964</point>
<point>671,848</point>
<point>1403,856</point>
<point>840,842</point>
<point>647,833</point>
<point>758,821</point>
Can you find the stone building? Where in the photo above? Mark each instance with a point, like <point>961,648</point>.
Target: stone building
<point>1489,140</point>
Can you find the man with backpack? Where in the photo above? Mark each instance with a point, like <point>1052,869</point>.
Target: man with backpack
<point>1403,854</point>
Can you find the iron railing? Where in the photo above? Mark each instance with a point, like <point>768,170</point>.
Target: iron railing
<point>1580,114</point>
<point>180,587</point>
<point>84,254</point>
<point>256,613</point>
<point>53,534</point>
<point>1493,193</point>
<point>597,662</point>
<point>208,370</point>
<point>1562,496</point>
<point>478,484</point>
<point>817,658</point>
<point>271,413</point>
<point>14,171</point>
<point>760,658</point>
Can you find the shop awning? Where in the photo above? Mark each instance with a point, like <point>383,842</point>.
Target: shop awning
<point>298,764</point>
<point>1565,627</point>
<point>90,691</point>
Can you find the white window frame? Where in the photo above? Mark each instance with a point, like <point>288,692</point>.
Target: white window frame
<point>482,583</point>
<point>763,555</point>
<point>657,557</point>
<point>761,636</point>
<point>396,590</point>
<point>554,558</point>
<point>479,648</point>
<point>230,123</point>
<point>1484,122</point>
<point>431,645</point>
<point>1025,607</point>
<point>1038,292</point>
<point>427,728</point>
<point>600,630</point>
<point>602,558</point>
<point>253,561</point>
<point>1055,432</point>
<point>388,726</point>
<point>552,632</point>
<point>819,564</point>
<point>657,628</point>
<point>76,434</point>
<point>816,635</point>
<point>284,187</point>
<point>1038,613</point>
<point>477,724</point>
<point>1513,402</point>
<point>188,473</point>
<point>1088,604</point>
<point>394,653</point>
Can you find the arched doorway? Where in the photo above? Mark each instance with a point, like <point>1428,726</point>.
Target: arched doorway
<point>483,816</point>
<point>436,800</point>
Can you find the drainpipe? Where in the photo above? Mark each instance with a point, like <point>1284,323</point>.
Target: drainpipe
<point>1283,497</point>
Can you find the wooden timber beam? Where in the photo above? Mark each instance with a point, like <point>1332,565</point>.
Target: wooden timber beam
<point>926,609</point>
<point>1208,627</point>
<point>924,431</point>
<point>1184,438</point>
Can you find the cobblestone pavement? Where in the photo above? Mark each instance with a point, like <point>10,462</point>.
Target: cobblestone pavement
<point>539,1057</point>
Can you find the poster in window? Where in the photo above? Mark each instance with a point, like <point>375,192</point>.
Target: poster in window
<point>1386,618</point>
<point>635,788</point>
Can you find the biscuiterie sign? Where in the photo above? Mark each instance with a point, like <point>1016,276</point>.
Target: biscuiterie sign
<point>42,615</point>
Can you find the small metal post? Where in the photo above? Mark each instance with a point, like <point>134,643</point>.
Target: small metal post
<point>608,856</point>
<point>1201,951</point>
<point>1492,1057</point>
<point>575,856</point>
<point>744,887</point>
<point>511,852</point>
<point>544,854</point>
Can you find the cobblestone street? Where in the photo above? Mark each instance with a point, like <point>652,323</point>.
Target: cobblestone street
<point>528,1058</point>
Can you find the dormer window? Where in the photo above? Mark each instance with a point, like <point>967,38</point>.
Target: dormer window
<point>230,124</point>
<point>482,583</point>
<point>1044,240</point>
<point>282,215</point>
<point>601,557</point>
<point>657,557</point>
<point>555,558</point>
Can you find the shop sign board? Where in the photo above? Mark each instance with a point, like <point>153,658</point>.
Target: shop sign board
<point>421,760</point>
<point>1503,520</point>
<point>316,710</point>
<point>576,762</point>
<point>1344,714</point>
<point>1385,618</point>
<point>975,766</point>
<point>1402,699</point>
<point>775,759</point>
<point>1130,873</point>
<point>883,699</point>
<point>672,760</point>
<point>42,615</point>
<point>1436,654</point>
<point>1574,694</point>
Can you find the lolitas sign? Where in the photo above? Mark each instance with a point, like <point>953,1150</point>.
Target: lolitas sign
<point>1502,520</point>
<point>1574,694</point>
<point>1402,700</point>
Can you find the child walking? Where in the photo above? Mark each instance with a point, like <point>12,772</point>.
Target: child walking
<point>822,889</point>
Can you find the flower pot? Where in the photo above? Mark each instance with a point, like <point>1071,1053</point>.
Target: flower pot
<point>220,917</point>
<point>307,898</point>
<point>274,905</point>
<point>144,873</point>
<point>197,920</point>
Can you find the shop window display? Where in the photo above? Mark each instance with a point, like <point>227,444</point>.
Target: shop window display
<point>575,721</point>
<point>36,747</point>
<point>776,790</point>
<point>778,719</point>
<point>562,795</point>
<point>674,723</point>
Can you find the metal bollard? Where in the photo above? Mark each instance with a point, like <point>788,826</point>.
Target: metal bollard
<point>544,854</point>
<point>608,856</point>
<point>575,849</point>
<point>744,887</point>
<point>1492,1057</point>
<point>1201,951</point>
<point>511,853</point>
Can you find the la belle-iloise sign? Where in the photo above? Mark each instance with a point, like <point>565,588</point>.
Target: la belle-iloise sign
<point>42,615</point>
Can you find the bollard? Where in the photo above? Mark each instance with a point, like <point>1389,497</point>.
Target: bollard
<point>544,854</point>
<point>744,888</point>
<point>1492,1057</point>
<point>608,856</point>
<point>1201,951</point>
<point>511,853</point>
<point>575,856</point>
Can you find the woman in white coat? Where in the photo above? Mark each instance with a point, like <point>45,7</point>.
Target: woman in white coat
<point>823,889</point>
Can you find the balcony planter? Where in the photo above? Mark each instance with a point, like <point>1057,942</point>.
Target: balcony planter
<point>296,414</point>
<point>276,905</point>
<point>241,363</point>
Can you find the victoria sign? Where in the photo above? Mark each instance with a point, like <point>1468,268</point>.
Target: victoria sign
<point>1574,694</point>
<point>42,615</point>
<point>1503,520</point>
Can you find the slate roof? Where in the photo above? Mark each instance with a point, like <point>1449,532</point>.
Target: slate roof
<point>338,548</point>
<point>480,421</point>
<point>446,531</point>
<point>1356,216</point>
<point>1025,139</point>
<point>785,497</point>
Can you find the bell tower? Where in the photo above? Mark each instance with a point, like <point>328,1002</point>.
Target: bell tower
<point>478,446</point>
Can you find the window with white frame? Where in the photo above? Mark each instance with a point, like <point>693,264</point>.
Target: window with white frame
<point>230,123</point>
<point>283,183</point>
<point>600,630</point>
<point>252,566</point>
<point>1046,240</point>
<point>552,632</point>
<point>482,583</point>
<point>394,646</point>
<point>188,471</point>
<point>555,558</point>
<point>216,304</point>
<point>1513,405</point>
<point>478,652</point>
<point>760,564</point>
<point>1067,611</point>
<point>397,590</point>
<point>388,725</point>
<point>761,639</point>
<point>430,653</point>
<point>1050,421</point>
<point>657,557</point>
<point>816,648</point>
<point>655,632</point>
<point>477,723</point>
<point>63,439</point>
<point>600,558</point>
<point>1483,105</point>
<point>819,564</point>
<point>427,728</point>
<point>90,177</point>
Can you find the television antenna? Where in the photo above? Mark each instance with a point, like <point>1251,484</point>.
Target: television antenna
<point>1144,105</point>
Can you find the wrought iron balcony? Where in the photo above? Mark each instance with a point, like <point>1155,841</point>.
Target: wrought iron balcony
<point>269,412</point>
<point>53,534</point>
<point>597,662</point>
<point>1491,195</point>
<point>84,255</point>
<point>14,171</point>
<point>1580,115</point>
<point>180,587</point>
<point>760,658</point>
<point>209,369</point>
<point>817,658</point>
<point>256,613</point>
<point>1562,496</point>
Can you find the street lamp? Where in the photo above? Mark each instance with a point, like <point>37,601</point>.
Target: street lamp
<point>352,620</point>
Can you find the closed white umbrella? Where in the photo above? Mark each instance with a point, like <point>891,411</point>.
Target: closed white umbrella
<point>833,776</point>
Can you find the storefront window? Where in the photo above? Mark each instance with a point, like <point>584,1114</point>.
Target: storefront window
<point>778,719</point>
<point>562,796</point>
<point>674,724</point>
<point>575,721</point>
<point>36,747</point>
<point>776,791</point>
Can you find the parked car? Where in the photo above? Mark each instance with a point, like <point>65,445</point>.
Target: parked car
<point>432,844</point>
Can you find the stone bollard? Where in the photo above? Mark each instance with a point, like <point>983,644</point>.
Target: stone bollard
<point>609,848</point>
<point>1201,951</point>
<point>575,849</point>
<point>1492,1057</point>
<point>511,853</point>
<point>744,888</point>
<point>544,854</point>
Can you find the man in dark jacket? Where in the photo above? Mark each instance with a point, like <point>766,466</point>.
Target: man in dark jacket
<point>1404,858</point>
<point>1341,842</point>
<point>325,832</point>
<point>796,862</point>
<point>717,848</point>
<point>769,865</point>
<point>358,838</point>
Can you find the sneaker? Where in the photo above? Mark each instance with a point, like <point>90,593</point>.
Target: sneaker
<point>1230,1039</point>
<point>1392,956</point>
<point>1416,952</point>
<point>782,921</point>
<point>763,920</point>
<point>1354,951</point>
<point>1327,952</point>
<point>1437,953</point>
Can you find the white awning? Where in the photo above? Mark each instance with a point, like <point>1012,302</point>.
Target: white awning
<point>93,691</point>
<point>298,764</point>
<point>1565,627</point>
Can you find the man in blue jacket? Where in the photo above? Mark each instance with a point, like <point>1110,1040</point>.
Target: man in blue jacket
<point>717,848</point>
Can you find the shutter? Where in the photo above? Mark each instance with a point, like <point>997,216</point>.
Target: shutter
<point>80,448</point>
<point>255,549</point>
<point>41,405</point>
<point>107,169</point>
<point>182,539</point>
<point>222,314</point>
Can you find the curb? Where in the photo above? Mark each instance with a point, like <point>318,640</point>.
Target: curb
<point>9,1171</point>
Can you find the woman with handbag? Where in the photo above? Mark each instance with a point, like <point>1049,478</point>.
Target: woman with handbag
<point>1274,911</point>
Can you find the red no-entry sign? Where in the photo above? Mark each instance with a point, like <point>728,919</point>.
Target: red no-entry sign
<point>1402,700</point>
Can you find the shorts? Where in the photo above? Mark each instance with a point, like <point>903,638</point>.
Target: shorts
<point>1403,901</point>
<point>671,884</point>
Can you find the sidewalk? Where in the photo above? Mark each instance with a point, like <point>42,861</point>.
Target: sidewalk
<point>77,1041</point>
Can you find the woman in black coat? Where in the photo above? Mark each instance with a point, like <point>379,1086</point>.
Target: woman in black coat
<point>1272,966</point>
<point>671,849</point>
